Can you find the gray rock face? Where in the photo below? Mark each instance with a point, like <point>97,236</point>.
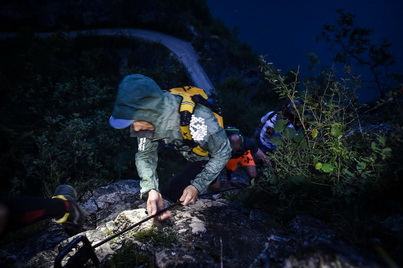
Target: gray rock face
<point>105,203</point>
<point>210,233</point>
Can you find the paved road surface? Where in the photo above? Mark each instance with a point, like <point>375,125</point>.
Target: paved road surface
<point>183,50</point>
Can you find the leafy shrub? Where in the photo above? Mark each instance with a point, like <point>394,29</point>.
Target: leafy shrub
<point>79,148</point>
<point>329,152</point>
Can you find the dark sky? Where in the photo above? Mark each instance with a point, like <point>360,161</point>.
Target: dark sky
<point>285,30</point>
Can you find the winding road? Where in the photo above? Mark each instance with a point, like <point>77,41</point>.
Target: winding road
<point>182,49</point>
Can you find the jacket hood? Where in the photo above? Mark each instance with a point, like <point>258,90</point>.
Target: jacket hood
<point>138,98</point>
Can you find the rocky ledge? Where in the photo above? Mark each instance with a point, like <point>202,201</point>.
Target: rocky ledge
<point>211,233</point>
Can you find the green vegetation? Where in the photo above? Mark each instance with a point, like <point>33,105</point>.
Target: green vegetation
<point>342,162</point>
<point>164,237</point>
<point>137,253</point>
<point>341,154</point>
<point>330,148</point>
<point>130,255</point>
<point>340,150</point>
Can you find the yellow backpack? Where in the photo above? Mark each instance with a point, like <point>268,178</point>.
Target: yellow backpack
<point>190,97</point>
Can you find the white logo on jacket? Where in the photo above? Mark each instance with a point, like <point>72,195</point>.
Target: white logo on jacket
<point>198,128</point>
<point>142,142</point>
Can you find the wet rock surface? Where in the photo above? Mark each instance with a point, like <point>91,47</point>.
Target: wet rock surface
<point>210,233</point>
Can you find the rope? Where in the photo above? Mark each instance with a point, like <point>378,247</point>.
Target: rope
<point>150,217</point>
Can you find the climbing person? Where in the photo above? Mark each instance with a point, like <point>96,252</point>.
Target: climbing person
<point>265,130</point>
<point>153,115</point>
<point>17,211</point>
<point>245,154</point>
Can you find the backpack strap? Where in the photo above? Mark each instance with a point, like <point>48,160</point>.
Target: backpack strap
<point>190,97</point>
<point>260,126</point>
<point>271,116</point>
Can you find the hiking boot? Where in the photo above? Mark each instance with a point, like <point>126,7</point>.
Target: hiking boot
<point>73,219</point>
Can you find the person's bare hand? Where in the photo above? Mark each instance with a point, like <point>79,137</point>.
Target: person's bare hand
<point>155,203</point>
<point>189,195</point>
